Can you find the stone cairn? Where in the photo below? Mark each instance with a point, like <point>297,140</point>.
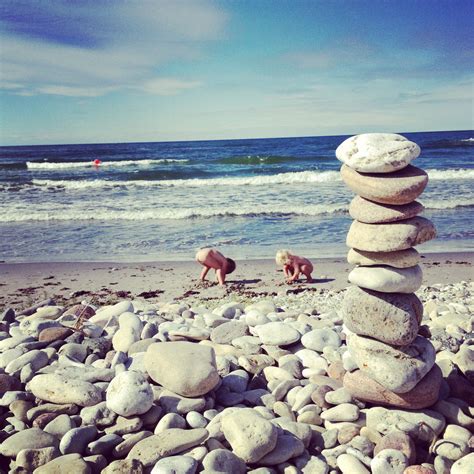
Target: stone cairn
<point>381,311</point>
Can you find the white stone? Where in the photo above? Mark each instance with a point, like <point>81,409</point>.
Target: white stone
<point>389,461</point>
<point>377,152</point>
<point>387,279</point>
<point>277,334</point>
<point>312,359</point>
<point>342,412</point>
<point>108,315</point>
<point>318,339</point>
<point>175,464</point>
<point>464,465</point>
<point>349,464</point>
<point>58,389</point>
<point>129,393</point>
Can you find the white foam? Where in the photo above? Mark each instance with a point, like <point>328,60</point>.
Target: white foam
<point>468,140</point>
<point>89,164</point>
<point>13,215</point>
<point>463,173</point>
<point>447,203</point>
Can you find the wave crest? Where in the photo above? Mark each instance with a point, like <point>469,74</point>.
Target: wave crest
<point>89,164</point>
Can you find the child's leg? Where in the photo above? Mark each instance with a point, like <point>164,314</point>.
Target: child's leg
<point>306,271</point>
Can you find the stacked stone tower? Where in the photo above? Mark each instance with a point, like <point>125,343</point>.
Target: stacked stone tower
<point>381,311</point>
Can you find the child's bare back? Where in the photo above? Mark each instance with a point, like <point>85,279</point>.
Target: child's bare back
<point>212,258</point>
<point>294,265</point>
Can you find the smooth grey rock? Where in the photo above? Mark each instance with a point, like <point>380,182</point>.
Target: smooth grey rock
<point>318,339</point>
<point>175,465</point>
<point>77,439</point>
<point>32,438</point>
<point>387,279</point>
<point>277,334</point>
<point>223,461</point>
<point>389,461</point>
<point>398,259</point>
<point>390,237</point>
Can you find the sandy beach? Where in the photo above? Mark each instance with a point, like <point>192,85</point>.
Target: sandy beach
<point>23,284</point>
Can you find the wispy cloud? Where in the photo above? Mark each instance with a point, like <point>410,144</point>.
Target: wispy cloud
<point>89,49</point>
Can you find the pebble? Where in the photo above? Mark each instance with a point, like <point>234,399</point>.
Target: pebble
<point>277,334</point>
<point>342,412</point>
<point>32,438</point>
<point>175,464</point>
<point>349,464</point>
<point>72,463</point>
<point>318,339</point>
<point>223,460</point>
<point>129,393</point>
<point>389,461</point>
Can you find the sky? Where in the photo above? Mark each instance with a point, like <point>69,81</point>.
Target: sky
<point>107,71</point>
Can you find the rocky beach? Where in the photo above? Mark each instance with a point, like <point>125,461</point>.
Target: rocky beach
<point>140,369</point>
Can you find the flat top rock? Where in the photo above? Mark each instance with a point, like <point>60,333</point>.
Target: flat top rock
<point>399,187</point>
<point>398,259</point>
<point>32,438</point>
<point>377,152</point>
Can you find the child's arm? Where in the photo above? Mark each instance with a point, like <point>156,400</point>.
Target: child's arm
<point>286,270</point>
<point>204,272</point>
<point>296,272</point>
<point>220,274</point>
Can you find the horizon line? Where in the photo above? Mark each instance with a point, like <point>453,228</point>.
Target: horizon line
<point>221,139</point>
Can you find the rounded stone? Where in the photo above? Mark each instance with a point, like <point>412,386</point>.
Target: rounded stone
<point>185,368</point>
<point>72,463</point>
<point>397,368</point>
<point>398,259</point>
<point>342,412</point>
<point>377,152</point>
<point>393,318</point>
<point>175,464</point>
<point>318,339</point>
<point>277,334</point>
<point>8,383</point>
<point>129,393</point>
<point>124,466</point>
<point>349,464</point>
<point>32,438</point>
<point>399,441</point>
<point>399,187</point>
<point>223,460</point>
<point>370,212</point>
<point>389,461</point>
<point>387,279</point>
<point>54,334</point>
<point>226,332</point>
<point>250,435</point>
<point>423,395</point>
<point>62,390</point>
<point>463,465</point>
<point>390,237</point>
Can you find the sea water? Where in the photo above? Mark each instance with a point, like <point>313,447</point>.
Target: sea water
<point>162,201</point>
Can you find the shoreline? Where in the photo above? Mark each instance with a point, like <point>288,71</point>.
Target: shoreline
<point>23,284</point>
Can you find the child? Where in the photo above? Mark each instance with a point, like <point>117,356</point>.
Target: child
<point>294,265</point>
<point>212,258</point>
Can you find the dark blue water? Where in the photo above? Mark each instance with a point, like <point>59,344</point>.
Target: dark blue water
<point>150,201</point>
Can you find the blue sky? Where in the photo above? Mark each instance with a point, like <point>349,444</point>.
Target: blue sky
<point>99,71</point>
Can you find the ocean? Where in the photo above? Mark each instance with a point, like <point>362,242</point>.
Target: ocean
<point>162,201</point>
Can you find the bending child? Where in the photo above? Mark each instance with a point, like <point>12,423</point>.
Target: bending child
<point>293,266</point>
<point>212,258</point>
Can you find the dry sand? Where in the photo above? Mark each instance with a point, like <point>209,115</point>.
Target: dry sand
<point>22,284</point>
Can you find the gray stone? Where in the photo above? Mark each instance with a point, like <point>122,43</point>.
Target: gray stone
<point>225,333</point>
<point>223,461</point>
<point>400,187</point>
<point>390,237</point>
<point>175,465</point>
<point>77,439</point>
<point>398,259</point>
<point>277,334</point>
<point>32,438</point>
<point>397,368</point>
<point>387,279</point>
<point>318,339</point>
<point>389,461</point>
<point>392,318</point>
<point>71,463</point>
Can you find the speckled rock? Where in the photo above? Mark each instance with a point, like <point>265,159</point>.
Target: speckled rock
<point>423,395</point>
<point>400,187</point>
<point>71,463</point>
<point>370,212</point>
<point>222,461</point>
<point>392,318</point>
<point>390,237</point>
<point>397,368</point>
<point>32,438</point>
<point>398,259</point>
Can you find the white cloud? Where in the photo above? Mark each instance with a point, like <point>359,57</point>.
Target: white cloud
<point>131,44</point>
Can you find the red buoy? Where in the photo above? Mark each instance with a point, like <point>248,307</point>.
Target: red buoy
<point>97,162</point>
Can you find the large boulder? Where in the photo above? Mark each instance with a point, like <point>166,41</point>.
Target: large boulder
<point>185,368</point>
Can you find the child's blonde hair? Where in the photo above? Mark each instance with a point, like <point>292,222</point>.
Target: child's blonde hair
<point>282,257</point>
